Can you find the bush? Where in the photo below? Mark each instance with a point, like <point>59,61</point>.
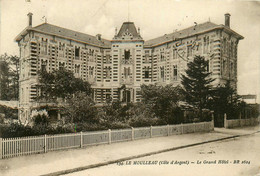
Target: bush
<point>41,120</point>
<point>16,130</point>
<point>145,122</point>
<point>8,112</point>
<point>81,108</point>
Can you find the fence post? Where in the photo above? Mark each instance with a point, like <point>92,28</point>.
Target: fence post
<point>81,140</point>
<point>240,124</point>
<point>133,134</point>
<point>109,136</point>
<point>194,127</point>
<point>1,149</point>
<point>225,120</point>
<point>168,130</point>
<point>212,121</point>
<point>151,131</point>
<point>181,128</point>
<point>45,143</point>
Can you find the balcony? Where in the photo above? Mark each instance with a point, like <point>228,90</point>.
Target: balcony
<point>126,61</point>
<point>127,81</point>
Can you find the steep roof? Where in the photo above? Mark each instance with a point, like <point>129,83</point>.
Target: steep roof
<point>68,34</point>
<point>127,31</point>
<point>128,28</point>
<point>200,28</point>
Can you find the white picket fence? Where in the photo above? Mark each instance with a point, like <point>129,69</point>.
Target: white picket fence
<point>12,147</point>
<point>233,123</point>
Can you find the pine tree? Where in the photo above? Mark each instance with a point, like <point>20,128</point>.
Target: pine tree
<point>196,83</point>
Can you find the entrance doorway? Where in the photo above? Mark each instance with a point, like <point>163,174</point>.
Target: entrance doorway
<point>126,96</point>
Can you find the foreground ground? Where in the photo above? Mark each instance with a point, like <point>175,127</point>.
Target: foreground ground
<point>71,161</point>
<point>238,156</point>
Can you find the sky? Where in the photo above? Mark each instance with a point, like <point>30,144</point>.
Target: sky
<point>154,17</point>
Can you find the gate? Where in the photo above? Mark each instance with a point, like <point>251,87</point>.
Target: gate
<point>219,120</point>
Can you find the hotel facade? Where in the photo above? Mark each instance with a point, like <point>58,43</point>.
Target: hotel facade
<point>117,68</point>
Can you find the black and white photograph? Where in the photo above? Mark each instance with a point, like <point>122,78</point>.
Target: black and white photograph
<point>129,87</point>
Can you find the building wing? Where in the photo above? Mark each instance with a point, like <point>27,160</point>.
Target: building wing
<point>50,29</point>
<point>188,32</point>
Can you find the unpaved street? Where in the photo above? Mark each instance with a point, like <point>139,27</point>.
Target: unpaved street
<point>239,156</point>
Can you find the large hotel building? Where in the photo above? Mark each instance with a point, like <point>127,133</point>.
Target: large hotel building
<point>125,61</point>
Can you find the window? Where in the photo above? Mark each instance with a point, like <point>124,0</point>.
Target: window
<point>146,72</point>
<point>108,58</point>
<point>146,58</point>
<point>91,71</point>
<point>162,73</point>
<point>174,54</point>
<point>61,66</point>
<point>127,72</point>
<point>127,54</point>
<point>107,72</point>
<point>189,50</point>
<point>44,65</point>
<point>61,49</point>
<point>207,66</point>
<point>91,52</point>
<point>162,56</point>
<point>77,68</point>
<point>205,44</point>
<point>76,52</point>
<point>224,67</point>
<point>108,97</point>
<point>61,46</point>
<point>175,72</point>
<point>44,47</point>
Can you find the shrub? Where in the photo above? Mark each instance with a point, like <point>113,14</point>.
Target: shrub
<point>40,117</point>
<point>16,130</point>
<point>8,112</point>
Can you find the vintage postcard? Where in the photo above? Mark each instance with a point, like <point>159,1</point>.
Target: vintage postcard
<point>129,87</point>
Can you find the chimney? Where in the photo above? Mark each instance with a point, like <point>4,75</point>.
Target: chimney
<point>98,36</point>
<point>30,19</point>
<point>227,20</point>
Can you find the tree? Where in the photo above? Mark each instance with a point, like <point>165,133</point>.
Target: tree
<point>196,83</point>
<point>226,100</point>
<point>81,108</point>
<point>61,84</point>
<point>4,80</point>
<point>9,77</point>
<point>162,101</point>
